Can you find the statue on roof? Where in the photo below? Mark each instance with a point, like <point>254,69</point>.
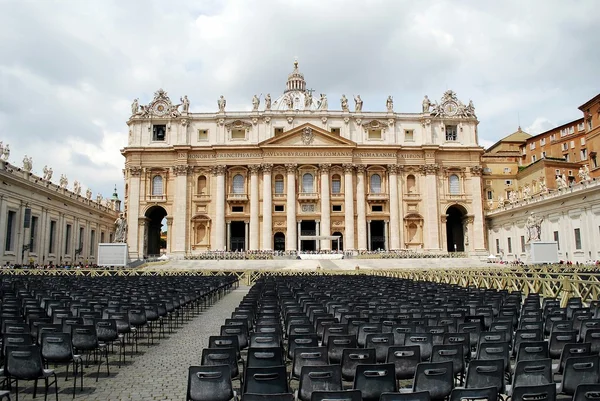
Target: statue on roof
<point>27,163</point>
<point>120,229</point>
<point>77,187</point>
<point>6,153</point>
<point>426,104</point>
<point>185,104</point>
<point>534,227</point>
<point>63,182</point>
<point>308,100</point>
<point>500,201</point>
<point>358,103</point>
<point>47,173</point>
<point>255,103</point>
<point>88,194</point>
<point>322,104</point>
<point>526,191</point>
<point>389,104</point>
<point>221,103</point>
<point>268,102</point>
<point>561,182</point>
<point>344,102</point>
<point>135,106</point>
<point>513,197</point>
<point>584,173</point>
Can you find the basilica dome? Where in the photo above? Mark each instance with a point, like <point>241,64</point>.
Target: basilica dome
<point>296,96</point>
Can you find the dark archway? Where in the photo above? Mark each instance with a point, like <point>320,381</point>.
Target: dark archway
<point>155,216</point>
<point>334,243</point>
<point>455,235</point>
<point>308,227</point>
<point>237,236</point>
<point>377,235</point>
<point>279,239</point>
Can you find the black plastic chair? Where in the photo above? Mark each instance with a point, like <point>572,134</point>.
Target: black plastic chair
<point>373,380</point>
<point>351,357</point>
<point>486,373</point>
<point>587,392</point>
<point>424,341</point>
<point>544,392</point>
<point>463,394</point>
<point>580,370</point>
<point>532,373</point>
<point>343,395</point>
<point>528,351</point>
<point>210,383</point>
<point>108,334</point>
<point>435,377</point>
<point>85,340</point>
<point>337,343</point>
<point>310,356</point>
<point>452,353</point>
<point>264,357</point>
<point>319,378</point>
<point>25,363</point>
<point>222,356</point>
<point>381,342</point>
<point>415,396</point>
<point>57,349</point>
<point>405,360</point>
<point>271,380</point>
<point>268,397</point>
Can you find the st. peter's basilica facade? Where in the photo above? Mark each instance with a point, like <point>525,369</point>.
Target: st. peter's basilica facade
<point>300,174</point>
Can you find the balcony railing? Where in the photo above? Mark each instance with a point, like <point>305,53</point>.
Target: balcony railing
<point>279,196</point>
<point>237,197</point>
<point>337,196</point>
<point>202,197</point>
<point>377,197</point>
<point>157,198</point>
<point>305,196</point>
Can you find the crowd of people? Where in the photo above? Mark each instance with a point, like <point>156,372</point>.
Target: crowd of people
<point>51,265</point>
<point>406,254</point>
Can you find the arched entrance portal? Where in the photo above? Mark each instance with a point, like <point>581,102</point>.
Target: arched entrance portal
<point>154,216</point>
<point>279,240</point>
<point>334,243</point>
<point>455,234</point>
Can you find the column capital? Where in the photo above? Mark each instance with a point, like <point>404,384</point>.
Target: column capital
<point>218,170</point>
<point>361,168</point>
<point>476,170</point>
<point>392,168</point>
<point>135,171</point>
<point>348,168</point>
<point>430,169</point>
<point>254,168</point>
<point>291,167</point>
<point>181,170</point>
<point>324,168</point>
<point>266,168</point>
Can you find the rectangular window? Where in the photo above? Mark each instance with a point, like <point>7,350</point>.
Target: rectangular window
<point>577,238</point>
<point>543,155</point>
<point>490,195</point>
<point>532,145</point>
<point>409,135</point>
<point>565,146</point>
<point>451,133</point>
<point>238,134</point>
<point>279,208</point>
<point>68,239</point>
<point>336,208</point>
<point>557,172</point>
<point>542,141</point>
<point>589,124</point>
<point>522,243</point>
<point>11,225</point>
<point>110,238</point>
<point>567,157</point>
<point>509,245</point>
<point>582,141</point>
<point>92,242</point>
<point>556,239</point>
<point>583,154</point>
<point>33,234</point>
<point>572,144</point>
<point>335,131</point>
<point>159,132</point>
<point>533,158</point>
<point>52,239</point>
<point>278,130</point>
<point>237,209</point>
<point>278,186</point>
<point>506,170</point>
<point>580,127</point>
<point>375,134</point>
<point>336,186</point>
<point>552,137</point>
<point>508,182</point>
<point>202,135</point>
<point>80,246</point>
<point>571,130</point>
<point>497,245</point>
<point>377,208</point>
<point>102,237</point>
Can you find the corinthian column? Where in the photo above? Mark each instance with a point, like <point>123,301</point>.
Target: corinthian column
<point>361,220</point>
<point>325,206</point>
<point>290,234</point>
<point>254,215</point>
<point>394,221</point>
<point>348,208</point>
<point>267,229</point>
<point>431,233</point>
<point>180,215</point>
<point>219,172</point>
<point>478,237</point>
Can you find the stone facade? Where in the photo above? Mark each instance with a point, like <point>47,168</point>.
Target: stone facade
<point>43,223</point>
<point>292,169</point>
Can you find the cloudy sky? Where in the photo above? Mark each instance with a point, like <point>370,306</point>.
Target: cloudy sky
<point>70,69</point>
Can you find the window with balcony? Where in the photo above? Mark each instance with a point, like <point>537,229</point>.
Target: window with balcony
<point>238,184</point>
<point>454,184</point>
<point>451,133</point>
<point>157,185</point>
<point>336,184</point>
<point>308,182</point>
<point>375,184</point>
<point>278,184</point>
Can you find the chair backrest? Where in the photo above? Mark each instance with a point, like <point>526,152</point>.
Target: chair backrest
<point>486,373</point>
<point>224,342</point>
<point>106,330</point>
<point>525,335</point>
<point>240,331</point>
<point>57,347</point>
<point>271,380</point>
<point>435,377</point>
<point>494,351</point>
<point>450,352</point>
<point>459,338</point>
<point>472,394</point>
<point>84,337</point>
<point>264,340</point>
<point>531,350</point>
<point>301,341</point>
<point>334,330</point>
<point>221,356</point>
<point>23,362</point>
<point>366,329</point>
<point>592,336</point>
<point>374,379</point>
<point>533,373</point>
<point>405,359</point>
<point>268,397</point>
<point>572,350</point>
<point>423,340</point>
<point>580,370</point>
<point>381,342</point>
<point>319,378</point>
<point>343,395</point>
<point>351,357</point>
<point>558,339</point>
<point>544,392</point>
<point>587,392</point>
<point>209,383</point>
<point>264,357</point>
<point>413,396</point>
<point>308,356</point>
<point>588,324</point>
<point>15,340</point>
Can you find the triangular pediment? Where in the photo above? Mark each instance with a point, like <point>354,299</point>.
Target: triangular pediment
<point>307,135</point>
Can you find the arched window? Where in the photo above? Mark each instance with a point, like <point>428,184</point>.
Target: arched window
<point>454,184</point>
<point>307,183</point>
<point>411,184</point>
<point>375,184</point>
<point>278,184</point>
<point>336,184</point>
<point>157,185</point>
<point>238,184</point>
<point>201,184</point>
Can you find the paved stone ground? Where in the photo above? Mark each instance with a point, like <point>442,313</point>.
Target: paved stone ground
<point>157,372</point>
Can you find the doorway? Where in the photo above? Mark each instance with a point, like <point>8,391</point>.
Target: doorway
<point>155,216</point>
<point>308,227</point>
<point>237,236</point>
<point>377,235</point>
<point>454,229</point>
<point>279,242</point>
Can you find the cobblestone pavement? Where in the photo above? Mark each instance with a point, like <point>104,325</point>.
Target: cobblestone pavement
<point>157,372</point>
